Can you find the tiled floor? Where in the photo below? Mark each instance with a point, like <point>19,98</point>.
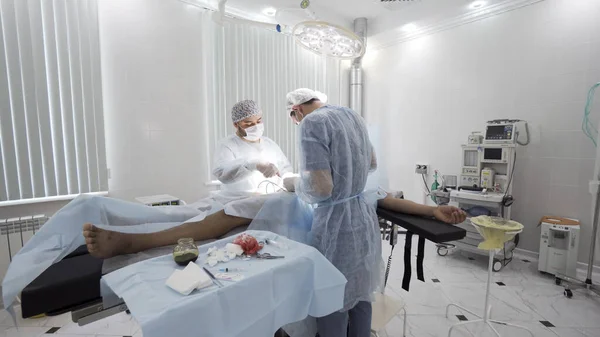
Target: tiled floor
<point>520,295</point>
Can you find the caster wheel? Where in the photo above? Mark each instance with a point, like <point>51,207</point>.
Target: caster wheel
<point>128,312</point>
<point>568,293</point>
<point>497,266</point>
<point>557,281</point>
<point>442,251</point>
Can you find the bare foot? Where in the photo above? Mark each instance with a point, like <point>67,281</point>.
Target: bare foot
<point>105,244</point>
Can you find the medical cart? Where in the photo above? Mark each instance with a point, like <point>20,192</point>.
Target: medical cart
<point>485,189</point>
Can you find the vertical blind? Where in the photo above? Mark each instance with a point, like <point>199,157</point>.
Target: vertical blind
<point>243,62</point>
<point>51,119</point>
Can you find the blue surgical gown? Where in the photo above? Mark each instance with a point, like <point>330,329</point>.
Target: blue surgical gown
<point>336,158</point>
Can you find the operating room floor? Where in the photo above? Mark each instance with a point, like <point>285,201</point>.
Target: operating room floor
<point>520,295</point>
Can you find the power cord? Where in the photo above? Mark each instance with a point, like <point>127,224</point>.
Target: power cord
<point>528,138</point>
<point>512,173</point>
<point>507,199</point>
<point>425,183</point>
<point>389,266</point>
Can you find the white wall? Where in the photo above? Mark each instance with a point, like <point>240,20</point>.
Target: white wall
<point>152,82</point>
<point>536,64</point>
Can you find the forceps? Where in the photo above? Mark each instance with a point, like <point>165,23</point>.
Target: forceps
<point>267,256</point>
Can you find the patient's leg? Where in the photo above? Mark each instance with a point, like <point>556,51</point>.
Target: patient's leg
<point>105,244</point>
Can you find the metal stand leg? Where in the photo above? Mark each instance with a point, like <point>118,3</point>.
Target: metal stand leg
<point>461,324</point>
<point>486,309</point>
<point>404,323</point>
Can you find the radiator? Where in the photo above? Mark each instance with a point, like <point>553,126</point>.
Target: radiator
<point>14,234</point>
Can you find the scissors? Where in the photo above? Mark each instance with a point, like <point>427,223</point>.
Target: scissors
<point>267,256</point>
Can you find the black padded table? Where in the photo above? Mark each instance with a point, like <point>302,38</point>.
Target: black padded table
<point>427,229</point>
<point>71,282</point>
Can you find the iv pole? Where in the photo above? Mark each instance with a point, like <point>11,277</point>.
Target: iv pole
<point>573,283</point>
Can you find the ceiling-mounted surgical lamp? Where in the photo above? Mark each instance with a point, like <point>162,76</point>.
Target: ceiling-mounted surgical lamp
<point>320,37</point>
<point>327,39</point>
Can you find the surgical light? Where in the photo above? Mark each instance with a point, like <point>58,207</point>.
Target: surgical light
<point>269,11</point>
<point>320,37</point>
<point>328,39</point>
<point>476,4</point>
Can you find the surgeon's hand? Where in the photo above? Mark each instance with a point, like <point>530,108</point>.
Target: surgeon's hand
<point>289,183</point>
<point>267,169</point>
<point>449,214</point>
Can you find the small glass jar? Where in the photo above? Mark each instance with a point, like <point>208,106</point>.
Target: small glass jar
<point>185,252</point>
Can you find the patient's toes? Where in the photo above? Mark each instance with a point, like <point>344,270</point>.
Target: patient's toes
<point>90,234</point>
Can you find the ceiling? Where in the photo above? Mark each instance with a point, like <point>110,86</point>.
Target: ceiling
<point>386,19</point>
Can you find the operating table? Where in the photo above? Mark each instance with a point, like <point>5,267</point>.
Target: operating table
<point>73,284</point>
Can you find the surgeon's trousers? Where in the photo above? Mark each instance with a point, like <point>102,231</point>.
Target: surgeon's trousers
<point>355,322</point>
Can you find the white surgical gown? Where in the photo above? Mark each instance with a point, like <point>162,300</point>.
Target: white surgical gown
<point>335,147</point>
<point>235,161</point>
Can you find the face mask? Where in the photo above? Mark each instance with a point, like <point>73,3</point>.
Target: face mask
<point>295,116</point>
<point>254,133</point>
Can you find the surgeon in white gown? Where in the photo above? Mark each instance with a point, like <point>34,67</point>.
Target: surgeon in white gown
<point>246,160</point>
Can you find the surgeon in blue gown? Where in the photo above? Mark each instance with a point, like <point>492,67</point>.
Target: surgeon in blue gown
<point>336,158</point>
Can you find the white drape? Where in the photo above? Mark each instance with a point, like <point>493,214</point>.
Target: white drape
<point>51,120</point>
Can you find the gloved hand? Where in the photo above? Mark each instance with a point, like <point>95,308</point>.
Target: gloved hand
<point>289,183</point>
<point>450,214</point>
<point>267,169</point>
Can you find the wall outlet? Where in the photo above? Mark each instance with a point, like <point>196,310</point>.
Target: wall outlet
<point>422,169</point>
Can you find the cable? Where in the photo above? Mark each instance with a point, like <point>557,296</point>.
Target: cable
<point>588,128</point>
<point>527,132</point>
<point>272,184</point>
<point>389,265</point>
<point>427,187</point>
<point>512,173</point>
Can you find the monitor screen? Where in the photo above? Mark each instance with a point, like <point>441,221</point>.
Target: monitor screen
<point>492,154</point>
<point>495,132</point>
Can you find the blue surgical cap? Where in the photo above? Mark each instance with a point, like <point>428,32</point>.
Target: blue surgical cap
<point>244,109</point>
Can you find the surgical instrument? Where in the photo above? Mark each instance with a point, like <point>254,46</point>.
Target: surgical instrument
<point>217,282</point>
<point>267,256</point>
